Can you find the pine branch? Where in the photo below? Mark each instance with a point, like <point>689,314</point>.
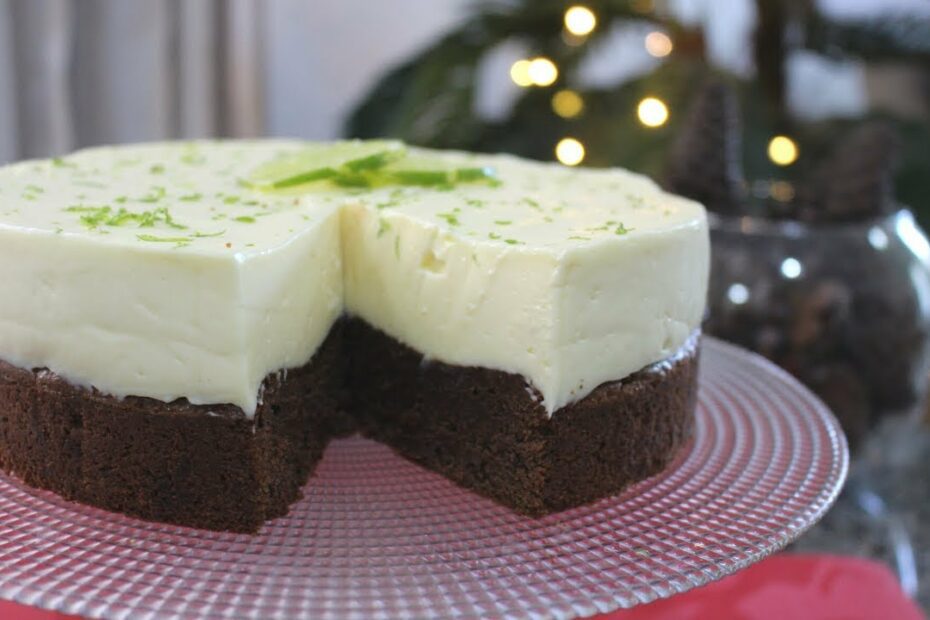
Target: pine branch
<point>429,99</point>
<point>899,37</point>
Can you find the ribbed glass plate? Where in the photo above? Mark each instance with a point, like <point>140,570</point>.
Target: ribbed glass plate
<point>378,537</point>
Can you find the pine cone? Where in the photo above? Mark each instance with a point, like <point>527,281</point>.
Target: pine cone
<point>856,182</point>
<point>705,161</point>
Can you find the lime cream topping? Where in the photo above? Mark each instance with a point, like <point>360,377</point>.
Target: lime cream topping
<point>195,269</point>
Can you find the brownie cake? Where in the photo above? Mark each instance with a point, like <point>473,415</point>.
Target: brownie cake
<point>184,326</point>
<point>205,466</point>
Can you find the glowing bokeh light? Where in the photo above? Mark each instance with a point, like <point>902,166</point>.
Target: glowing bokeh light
<point>659,44</point>
<point>569,151</point>
<point>567,103</point>
<point>520,73</point>
<point>542,71</point>
<point>878,238</point>
<point>738,293</point>
<point>791,268</point>
<point>580,20</point>
<point>783,151</point>
<point>782,191</point>
<point>652,112</point>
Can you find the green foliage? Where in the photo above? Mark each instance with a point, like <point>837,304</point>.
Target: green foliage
<point>879,39</point>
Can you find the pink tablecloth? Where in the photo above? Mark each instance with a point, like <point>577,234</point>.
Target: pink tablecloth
<point>785,586</point>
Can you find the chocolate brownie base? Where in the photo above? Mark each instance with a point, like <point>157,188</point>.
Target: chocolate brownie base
<point>195,465</point>
<point>212,467</point>
<point>488,431</point>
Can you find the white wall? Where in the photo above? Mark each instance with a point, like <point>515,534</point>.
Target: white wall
<point>323,55</point>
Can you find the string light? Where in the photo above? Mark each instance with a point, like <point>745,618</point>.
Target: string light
<point>569,151</point>
<point>652,112</point>
<point>659,44</point>
<point>542,71</point>
<point>783,151</point>
<point>520,73</point>
<point>580,20</point>
<point>567,103</point>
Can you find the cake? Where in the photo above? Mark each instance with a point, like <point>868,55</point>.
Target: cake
<point>185,326</point>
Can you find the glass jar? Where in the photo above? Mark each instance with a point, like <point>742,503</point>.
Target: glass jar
<point>843,307</point>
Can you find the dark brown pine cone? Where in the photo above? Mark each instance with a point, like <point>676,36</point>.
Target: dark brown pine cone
<point>705,162</point>
<point>856,182</point>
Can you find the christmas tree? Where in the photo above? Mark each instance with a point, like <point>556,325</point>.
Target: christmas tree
<point>696,127</point>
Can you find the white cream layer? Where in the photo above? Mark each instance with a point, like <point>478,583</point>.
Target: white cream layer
<point>568,277</point>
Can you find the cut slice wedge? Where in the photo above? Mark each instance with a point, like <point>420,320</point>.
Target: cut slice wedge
<point>321,162</point>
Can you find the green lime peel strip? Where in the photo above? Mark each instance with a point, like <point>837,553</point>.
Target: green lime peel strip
<point>324,162</point>
<point>437,177</point>
<point>362,164</point>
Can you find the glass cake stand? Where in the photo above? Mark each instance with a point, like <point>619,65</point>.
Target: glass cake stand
<point>376,536</point>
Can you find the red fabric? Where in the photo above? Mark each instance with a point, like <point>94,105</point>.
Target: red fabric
<point>811,587</point>
<point>815,587</point>
<point>12,611</point>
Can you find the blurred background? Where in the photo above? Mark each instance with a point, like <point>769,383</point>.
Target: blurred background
<point>102,71</point>
<point>803,126</point>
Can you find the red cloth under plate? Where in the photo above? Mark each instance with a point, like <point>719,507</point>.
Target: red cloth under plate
<point>814,587</point>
